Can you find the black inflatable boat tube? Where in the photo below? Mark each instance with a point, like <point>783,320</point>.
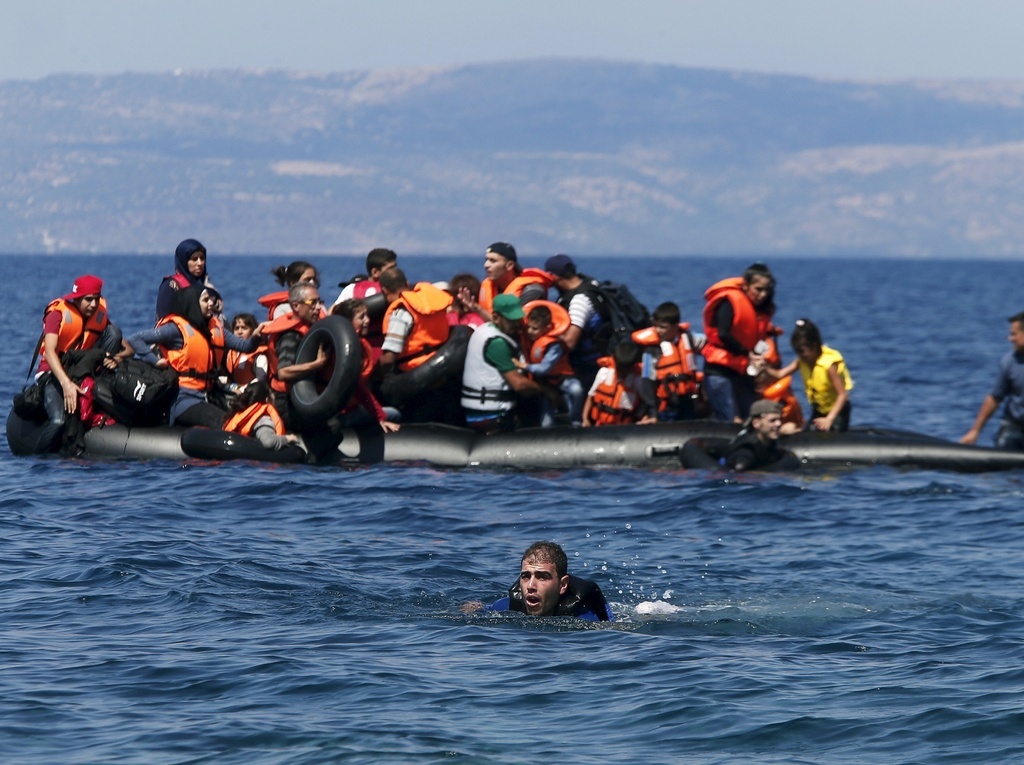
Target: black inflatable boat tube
<point>447,361</point>
<point>312,400</point>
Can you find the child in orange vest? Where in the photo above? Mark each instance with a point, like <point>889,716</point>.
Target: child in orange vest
<point>547,359</point>
<point>620,393</point>
<point>670,359</point>
<point>253,415</point>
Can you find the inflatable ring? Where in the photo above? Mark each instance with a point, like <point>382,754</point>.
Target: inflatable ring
<point>447,361</point>
<point>376,306</point>
<point>315,399</point>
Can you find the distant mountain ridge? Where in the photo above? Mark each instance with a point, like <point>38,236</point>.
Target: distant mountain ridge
<point>579,156</point>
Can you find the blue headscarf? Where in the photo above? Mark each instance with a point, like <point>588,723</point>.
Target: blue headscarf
<point>186,250</point>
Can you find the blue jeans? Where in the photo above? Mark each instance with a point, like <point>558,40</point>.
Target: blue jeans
<point>730,396</point>
<point>572,389</point>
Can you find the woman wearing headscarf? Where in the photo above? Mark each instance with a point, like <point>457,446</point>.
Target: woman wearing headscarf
<point>191,340</point>
<point>189,269</point>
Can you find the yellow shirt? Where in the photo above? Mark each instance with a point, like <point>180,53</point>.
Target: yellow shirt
<point>820,393</point>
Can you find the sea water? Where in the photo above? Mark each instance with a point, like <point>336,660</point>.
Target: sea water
<point>193,612</point>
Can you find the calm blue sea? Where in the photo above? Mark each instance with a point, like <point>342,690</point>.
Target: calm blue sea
<point>239,613</point>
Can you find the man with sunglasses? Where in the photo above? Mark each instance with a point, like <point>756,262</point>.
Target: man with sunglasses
<point>284,334</point>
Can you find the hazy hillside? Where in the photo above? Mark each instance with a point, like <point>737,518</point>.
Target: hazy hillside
<point>580,156</point>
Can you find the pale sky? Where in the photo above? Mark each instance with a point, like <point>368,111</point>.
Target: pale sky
<point>845,39</point>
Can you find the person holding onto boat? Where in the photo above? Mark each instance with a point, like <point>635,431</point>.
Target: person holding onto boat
<point>737,323</point>
<point>504,276</point>
<point>670,359</point>
<point>620,395</point>
<point>284,335</point>
<point>78,321</point>
<point>756,447</point>
<point>494,388</point>
<point>827,380</point>
<point>1009,387</point>
<point>191,340</point>
<point>587,335</point>
<point>547,359</point>
<point>546,588</point>
<point>189,270</point>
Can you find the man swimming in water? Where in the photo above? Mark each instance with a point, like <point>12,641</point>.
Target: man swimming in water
<point>545,588</point>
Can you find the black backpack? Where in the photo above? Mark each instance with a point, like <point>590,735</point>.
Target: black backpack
<point>620,309</point>
<point>136,393</point>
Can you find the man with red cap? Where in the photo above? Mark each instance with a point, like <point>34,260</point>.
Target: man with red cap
<point>76,321</point>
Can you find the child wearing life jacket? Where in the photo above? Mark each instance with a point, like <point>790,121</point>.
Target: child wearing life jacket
<point>363,402</point>
<point>251,414</point>
<point>548,359</point>
<point>243,368</point>
<point>670,360</point>
<point>620,393</point>
<point>827,381</point>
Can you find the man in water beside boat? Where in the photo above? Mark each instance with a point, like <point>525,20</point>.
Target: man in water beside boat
<point>1009,385</point>
<point>756,447</point>
<point>546,588</point>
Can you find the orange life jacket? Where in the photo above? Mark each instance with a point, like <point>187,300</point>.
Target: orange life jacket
<point>198,358</point>
<point>242,366</point>
<point>675,371</point>
<point>534,350</point>
<point>272,300</point>
<point>76,332</point>
<point>428,306</point>
<point>273,331</point>
<point>515,287</point>
<point>748,326</point>
<point>608,407</point>
<point>781,391</point>
<point>244,421</point>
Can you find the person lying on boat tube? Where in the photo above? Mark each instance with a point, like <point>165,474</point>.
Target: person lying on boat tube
<point>545,588</point>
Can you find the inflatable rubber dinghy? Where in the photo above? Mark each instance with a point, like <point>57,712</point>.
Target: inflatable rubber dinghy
<point>312,399</point>
<point>664,445</point>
